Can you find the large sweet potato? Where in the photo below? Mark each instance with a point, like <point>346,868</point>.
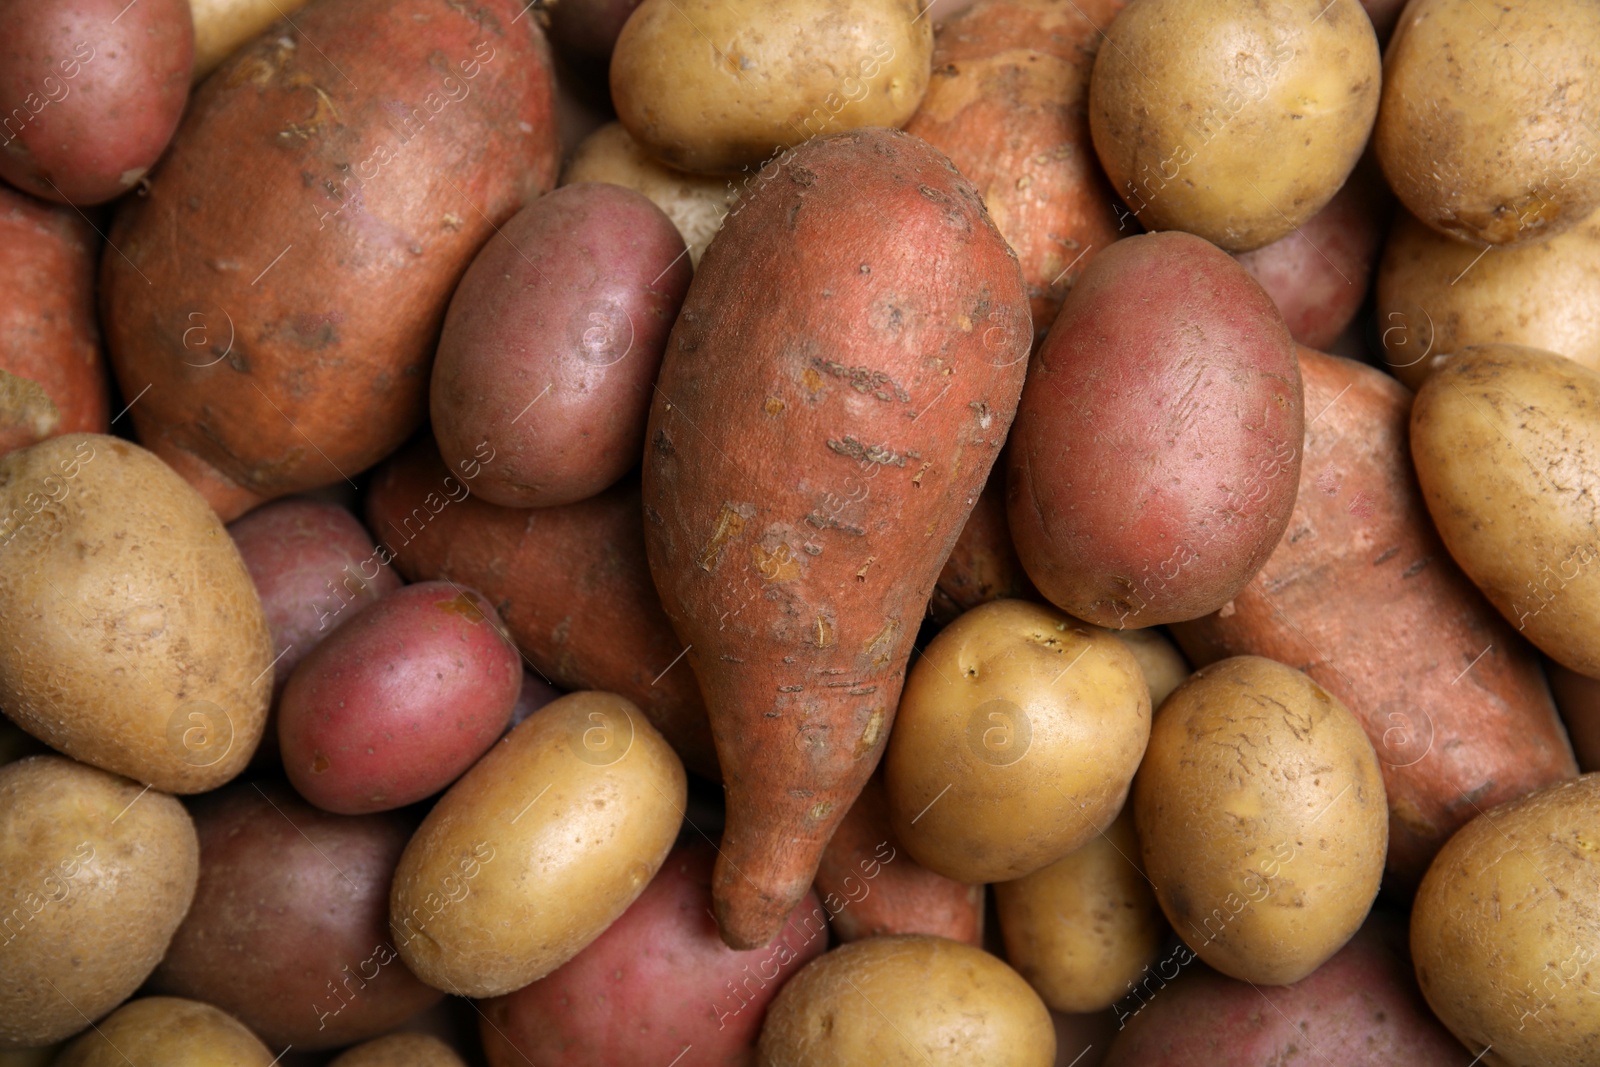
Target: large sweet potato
<point>280,289</point>
<point>1361,595</point>
<point>835,391</point>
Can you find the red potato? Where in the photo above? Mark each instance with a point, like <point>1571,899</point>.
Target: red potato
<point>827,412</point>
<point>571,584</point>
<point>289,927</point>
<point>1578,697</point>
<point>1157,446</point>
<point>396,704</point>
<point>1361,595</point>
<point>52,379</point>
<point>92,92</point>
<point>552,343</point>
<point>983,566</point>
<point>658,983</point>
<point>281,287</point>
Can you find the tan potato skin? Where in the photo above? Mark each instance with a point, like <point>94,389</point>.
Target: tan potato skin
<point>94,879</point>
<point>135,637</point>
<point>1361,595</point>
<point>907,1001</point>
<point>271,376</point>
<point>1507,452</point>
<point>1082,929</point>
<point>1478,134</point>
<point>400,1050</point>
<point>599,796</point>
<point>1008,103</point>
<point>1261,818</point>
<point>221,26</point>
<point>1578,697</point>
<point>170,1031</point>
<point>1437,295</point>
<point>714,86</point>
<point>1162,665</point>
<point>1506,928</point>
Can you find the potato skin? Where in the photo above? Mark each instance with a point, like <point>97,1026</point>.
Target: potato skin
<point>251,357</point>
<point>169,1031</point>
<point>1508,458</point>
<point>92,885</point>
<point>778,74</point>
<point>400,1050</point>
<point>222,26</point>
<point>827,412</point>
<point>1578,698</point>
<point>1153,464</point>
<point>1505,925</point>
<point>291,910</point>
<point>99,86</point>
<point>599,796</point>
<point>945,1003</point>
<point>571,584</point>
<point>1361,596</point>
<point>52,379</point>
<point>1511,157</point>
<point>152,579</point>
<point>983,565</point>
<point>569,312</point>
<point>1008,103</point>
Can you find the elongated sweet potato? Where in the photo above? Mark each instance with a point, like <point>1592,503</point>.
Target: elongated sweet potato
<point>569,582</point>
<point>1361,595</point>
<point>281,288</point>
<point>827,411</point>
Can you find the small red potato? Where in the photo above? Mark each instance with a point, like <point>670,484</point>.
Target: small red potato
<point>552,344</point>
<point>984,565</point>
<point>395,705</point>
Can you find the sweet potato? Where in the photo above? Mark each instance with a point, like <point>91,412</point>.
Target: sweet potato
<point>1007,104</point>
<point>52,379</point>
<point>827,411</point>
<point>1361,595</point>
<point>280,289</point>
<point>983,566</point>
<point>570,583</point>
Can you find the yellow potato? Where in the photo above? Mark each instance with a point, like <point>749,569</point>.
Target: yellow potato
<point>1505,930</point>
<point>1488,126</point>
<point>1506,442</point>
<point>1236,122</point>
<point>720,85</point>
<point>1262,819</point>
<point>95,875</point>
<point>168,1031</point>
<point>400,1050</point>
<point>1018,732</point>
<point>538,848</point>
<point>1082,929</point>
<point>221,26</point>
<point>1162,665</point>
<point>906,1001</point>
<point>131,635</point>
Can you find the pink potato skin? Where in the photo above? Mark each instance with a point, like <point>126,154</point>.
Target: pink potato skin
<point>398,702</point>
<point>92,92</point>
<point>658,979</point>
<point>552,343</point>
<point>1153,463</point>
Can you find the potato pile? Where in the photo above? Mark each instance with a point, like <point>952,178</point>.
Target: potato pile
<point>792,533</point>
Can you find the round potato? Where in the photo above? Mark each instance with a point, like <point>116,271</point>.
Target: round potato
<point>1505,930</point>
<point>720,85</point>
<point>95,875</point>
<point>907,1001</point>
<point>538,848</point>
<point>1506,444</point>
<point>1084,928</point>
<point>1162,665</point>
<point>131,636</point>
<point>1018,733</point>
<point>400,1050</point>
<point>1578,697</point>
<point>221,26</point>
<point>168,1031</point>
<point>1487,129</point>
<point>1235,122</point>
<point>1262,819</point>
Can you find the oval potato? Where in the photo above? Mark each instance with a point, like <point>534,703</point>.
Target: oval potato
<point>168,1031</point>
<point>400,1050</point>
<point>221,26</point>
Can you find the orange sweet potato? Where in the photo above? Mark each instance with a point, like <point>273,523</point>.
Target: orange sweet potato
<point>281,288</point>
<point>838,384</point>
<point>1361,595</point>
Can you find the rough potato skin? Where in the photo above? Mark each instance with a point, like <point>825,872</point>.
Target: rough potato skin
<point>400,1050</point>
<point>387,155</point>
<point>571,584</point>
<point>1361,595</point>
<point>1154,460</point>
<point>169,1031</point>
<point>983,565</point>
<point>1008,103</point>
<point>52,379</point>
<point>806,474</point>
